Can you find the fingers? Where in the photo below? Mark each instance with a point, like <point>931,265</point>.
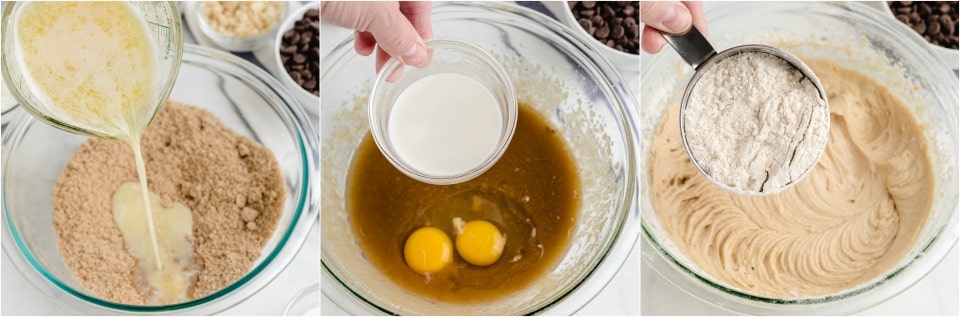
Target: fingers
<point>651,41</point>
<point>364,43</point>
<point>696,12</point>
<point>382,58</point>
<point>390,29</point>
<point>397,37</point>
<point>418,13</point>
<point>354,15</point>
<point>667,16</point>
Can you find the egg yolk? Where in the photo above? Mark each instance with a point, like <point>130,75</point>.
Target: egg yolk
<point>480,242</point>
<point>428,250</point>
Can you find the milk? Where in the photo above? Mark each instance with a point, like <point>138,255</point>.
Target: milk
<point>445,124</point>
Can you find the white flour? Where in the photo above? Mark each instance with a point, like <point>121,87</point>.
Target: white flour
<point>754,123</point>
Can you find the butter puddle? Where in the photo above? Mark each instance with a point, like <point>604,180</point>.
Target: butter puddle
<point>168,282</point>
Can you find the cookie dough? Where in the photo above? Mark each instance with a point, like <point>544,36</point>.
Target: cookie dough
<point>856,214</point>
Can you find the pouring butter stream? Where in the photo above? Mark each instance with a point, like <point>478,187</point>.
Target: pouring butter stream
<point>93,66</point>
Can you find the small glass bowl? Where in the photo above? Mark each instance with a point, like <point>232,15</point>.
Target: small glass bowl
<point>622,60</point>
<point>948,55</point>
<point>238,44</point>
<point>308,100</point>
<point>448,56</point>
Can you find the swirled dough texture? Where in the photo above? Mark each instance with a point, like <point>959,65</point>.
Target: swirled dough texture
<point>855,215</point>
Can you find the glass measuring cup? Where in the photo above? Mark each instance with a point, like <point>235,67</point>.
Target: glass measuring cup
<point>163,22</point>
<point>700,54</point>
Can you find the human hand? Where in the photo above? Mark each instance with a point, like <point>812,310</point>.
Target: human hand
<point>395,29</point>
<point>670,17</point>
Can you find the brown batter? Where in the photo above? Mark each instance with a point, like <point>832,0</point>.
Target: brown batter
<point>854,216</point>
<point>531,195</point>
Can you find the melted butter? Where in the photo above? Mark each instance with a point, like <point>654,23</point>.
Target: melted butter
<point>92,65</point>
<point>171,283</point>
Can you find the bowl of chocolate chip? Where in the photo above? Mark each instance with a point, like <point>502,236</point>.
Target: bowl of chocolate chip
<point>298,58</point>
<point>612,27</point>
<point>935,21</point>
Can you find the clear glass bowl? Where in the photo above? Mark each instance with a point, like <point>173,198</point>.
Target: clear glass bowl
<point>573,87</point>
<point>235,43</point>
<point>844,33</point>
<point>247,100</point>
<point>448,56</point>
<point>307,99</point>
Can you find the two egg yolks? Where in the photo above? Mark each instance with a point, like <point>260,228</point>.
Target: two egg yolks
<point>428,249</point>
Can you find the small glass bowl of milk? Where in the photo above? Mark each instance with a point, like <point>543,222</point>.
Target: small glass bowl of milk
<point>448,122</point>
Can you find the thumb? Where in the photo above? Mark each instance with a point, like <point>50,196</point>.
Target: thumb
<point>396,36</point>
<point>393,32</point>
<point>671,17</point>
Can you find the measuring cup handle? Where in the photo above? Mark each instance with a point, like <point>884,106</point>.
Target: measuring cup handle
<point>692,46</point>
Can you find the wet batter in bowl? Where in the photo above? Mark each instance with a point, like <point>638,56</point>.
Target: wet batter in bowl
<point>851,219</point>
<point>531,195</point>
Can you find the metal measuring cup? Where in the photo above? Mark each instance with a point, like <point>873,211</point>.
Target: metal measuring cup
<point>699,54</point>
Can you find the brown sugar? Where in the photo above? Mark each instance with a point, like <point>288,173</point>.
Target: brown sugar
<point>231,184</point>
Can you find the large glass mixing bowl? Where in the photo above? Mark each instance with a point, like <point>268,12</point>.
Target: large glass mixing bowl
<point>849,35</point>
<point>559,76</point>
<point>163,23</point>
<point>247,100</point>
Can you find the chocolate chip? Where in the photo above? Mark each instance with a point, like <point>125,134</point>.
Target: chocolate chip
<point>300,51</point>
<point>603,33</point>
<point>934,27</point>
<point>935,21</point>
<point>920,27</point>
<point>617,31</point>
<point>608,12</point>
<point>585,23</point>
<point>612,23</point>
<point>597,20</point>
